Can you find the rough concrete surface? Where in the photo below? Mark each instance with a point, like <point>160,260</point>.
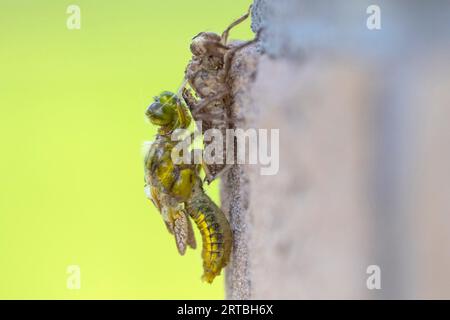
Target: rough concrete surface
<point>310,221</point>
<point>234,186</point>
<point>363,177</point>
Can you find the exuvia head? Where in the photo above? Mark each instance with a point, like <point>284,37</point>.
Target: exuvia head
<point>168,112</point>
<point>206,43</point>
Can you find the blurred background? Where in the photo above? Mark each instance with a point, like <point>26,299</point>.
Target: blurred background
<point>360,91</point>
<point>72,124</point>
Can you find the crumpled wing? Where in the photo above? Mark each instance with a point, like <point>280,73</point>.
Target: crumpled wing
<point>180,230</point>
<point>191,236</point>
<point>176,220</point>
<point>183,231</point>
<point>153,194</point>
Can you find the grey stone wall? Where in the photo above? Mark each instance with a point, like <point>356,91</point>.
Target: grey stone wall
<point>364,173</point>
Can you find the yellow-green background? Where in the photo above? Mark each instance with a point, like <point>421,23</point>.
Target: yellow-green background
<point>71,128</point>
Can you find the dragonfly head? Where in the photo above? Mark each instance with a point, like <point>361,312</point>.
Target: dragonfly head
<point>168,111</point>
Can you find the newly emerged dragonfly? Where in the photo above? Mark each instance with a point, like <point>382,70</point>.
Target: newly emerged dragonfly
<point>177,190</point>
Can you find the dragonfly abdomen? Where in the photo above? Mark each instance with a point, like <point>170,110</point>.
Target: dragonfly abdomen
<point>215,231</point>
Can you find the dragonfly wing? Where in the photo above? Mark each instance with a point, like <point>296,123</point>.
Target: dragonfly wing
<point>190,234</point>
<point>180,230</point>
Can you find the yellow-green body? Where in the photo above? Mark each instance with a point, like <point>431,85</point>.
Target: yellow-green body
<point>215,231</point>
<point>176,190</point>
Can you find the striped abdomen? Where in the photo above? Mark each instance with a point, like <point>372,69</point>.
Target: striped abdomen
<point>215,231</point>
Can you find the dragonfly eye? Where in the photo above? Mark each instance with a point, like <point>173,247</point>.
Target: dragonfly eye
<point>163,111</point>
